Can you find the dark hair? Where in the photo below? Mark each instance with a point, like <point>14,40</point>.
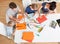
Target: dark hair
<point>33,5</point>
<point>12,5</point>
<point>44,10</point>
<point>52,5</point>
<point>44,3</point>
<point>10,22</point>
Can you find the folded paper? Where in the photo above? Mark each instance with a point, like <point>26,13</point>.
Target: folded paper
<point>20,17</point>
<point>41,19</point>
<point>28,36</point>
<point>21,26</point>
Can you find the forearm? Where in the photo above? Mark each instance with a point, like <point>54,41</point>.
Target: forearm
<point>14,19</point>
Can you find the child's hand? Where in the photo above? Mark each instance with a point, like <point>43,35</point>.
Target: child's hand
<point>17,21</point>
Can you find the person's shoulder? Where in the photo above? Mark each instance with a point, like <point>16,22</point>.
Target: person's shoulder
<point>28,7</point>
<point>9,11</point>
<point>7,26</point>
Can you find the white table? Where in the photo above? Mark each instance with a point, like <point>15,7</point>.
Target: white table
<point>2,29</point>
<point>48,34</point>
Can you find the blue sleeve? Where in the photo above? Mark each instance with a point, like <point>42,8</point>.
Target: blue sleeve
<point>32,11</point>
<point>28,10</point>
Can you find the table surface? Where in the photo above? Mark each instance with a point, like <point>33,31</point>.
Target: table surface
<point>48,34</point>
<point>2,29</point>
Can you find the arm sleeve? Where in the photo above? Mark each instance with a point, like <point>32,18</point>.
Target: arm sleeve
<point>28,10</point>
<point>8,14</point>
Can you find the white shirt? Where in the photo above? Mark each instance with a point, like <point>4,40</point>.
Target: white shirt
<point>11,12</point>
